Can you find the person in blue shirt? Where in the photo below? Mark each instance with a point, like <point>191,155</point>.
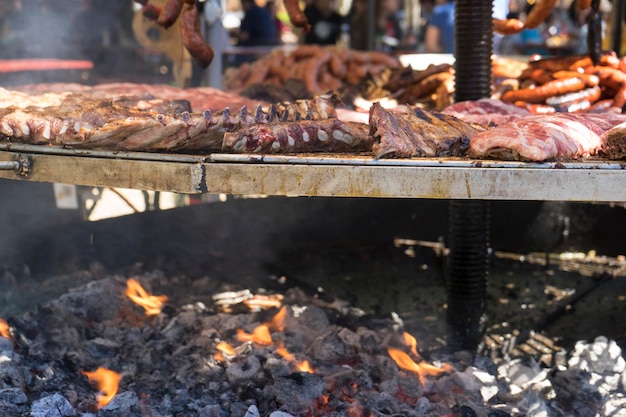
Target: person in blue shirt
<point>257,27</point>
<point>439,36</point>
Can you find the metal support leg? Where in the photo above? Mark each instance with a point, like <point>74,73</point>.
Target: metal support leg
<point>469,231</point>
<point>467,272</point>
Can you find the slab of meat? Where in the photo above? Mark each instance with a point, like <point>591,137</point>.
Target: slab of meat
<point>201,98</point>
<point>614,142</point>
<point>561,136</point>
<point>330,135</point>
<point>485,112</point>
<point>418,133</point>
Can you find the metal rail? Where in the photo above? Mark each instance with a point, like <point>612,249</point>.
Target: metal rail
<point>321,175</point>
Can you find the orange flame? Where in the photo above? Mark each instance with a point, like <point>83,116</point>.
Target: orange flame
<point>224,349</point>
<point>4,329</point>
<point>412,343</point>
<point>278,321</point>
<point>421,369</point>
<point>107,382</point>
<point>152,304</point>
<point>260,335</point>
<point>302,366</point>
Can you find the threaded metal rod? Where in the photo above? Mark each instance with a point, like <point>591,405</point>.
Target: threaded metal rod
<point>468,227</point>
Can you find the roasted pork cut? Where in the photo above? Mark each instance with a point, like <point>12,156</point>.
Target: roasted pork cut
<point>418,133</point>
<point>328,135</point>
<point>559,137</point>
<point>485,112</point>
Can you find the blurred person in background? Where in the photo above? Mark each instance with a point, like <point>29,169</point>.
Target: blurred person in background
<point>257,27</point>
<point>357,19</point>
<point>280,26</point>
<point>439,35</point>
<point>325,23</point>
<point>390,17</point>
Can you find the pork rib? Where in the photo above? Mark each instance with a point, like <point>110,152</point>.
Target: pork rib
<point>418,133</point>
<point>328,135</point>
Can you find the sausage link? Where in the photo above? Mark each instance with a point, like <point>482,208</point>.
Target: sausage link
<point>620,97</point>
<point>296,16</point>
<point>539,94</point>
<point>539,13</point>
<point>192,37</point>
<point>508,26</point>
<point>170,12</point>
<point>590,94</point>
<point>150,11</point>
<point>536,108</point>
<point>590,80</point>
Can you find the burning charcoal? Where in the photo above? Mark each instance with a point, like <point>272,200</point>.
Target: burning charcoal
<point>296,392</point>
<point>53,406</point>
<point>11,374</point>
<point>252,411</point>
<point>332,348</point>
<point>498,413</point>
<point>6,344</point>
<point>125,404</point>
<point>243,371</point>
<point>280,414</point>
<point>13,395</point>
<point>102,348</point>
<point>575,390</point>
<point>277,367</point>
<point>213,410</point>
<point>314,319</point>
<point>602,356</point>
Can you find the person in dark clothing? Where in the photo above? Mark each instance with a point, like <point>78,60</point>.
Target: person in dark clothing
<point>325,23</point>
<point>257,27</point>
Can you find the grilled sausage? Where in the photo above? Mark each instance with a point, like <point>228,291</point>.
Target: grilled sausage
<point>508,26</point>
<point>536,108</point>
<point>296,16</point>
<point>590,80</point>
<point>539,94</point>
<point>539,13</point>
<point>151,12</point>
<point>192,37</point>
<point>170,12</point>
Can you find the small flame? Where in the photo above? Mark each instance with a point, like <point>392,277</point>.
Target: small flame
<point>107,382</point>
<point>302,366</point>
<point>260,335</point>
<point>224,349</point>
<point>278,321</point>
<point>151,303</point>
<point>421,369</point>
<point>4,329</point>
<point>411,341</point>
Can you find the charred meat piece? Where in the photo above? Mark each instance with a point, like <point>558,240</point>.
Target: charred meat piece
<point>329,135</point>
<point>418,133</point>
<point>614,142</point>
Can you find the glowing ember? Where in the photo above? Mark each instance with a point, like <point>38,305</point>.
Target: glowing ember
<point>107,382</point>
<point>302,366</point>
<point>4,329</point>
<point>151,303</point>
<point>421,369</point>
<point>224,349</point>
<point>412,342</point>
<point>260,335</point>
